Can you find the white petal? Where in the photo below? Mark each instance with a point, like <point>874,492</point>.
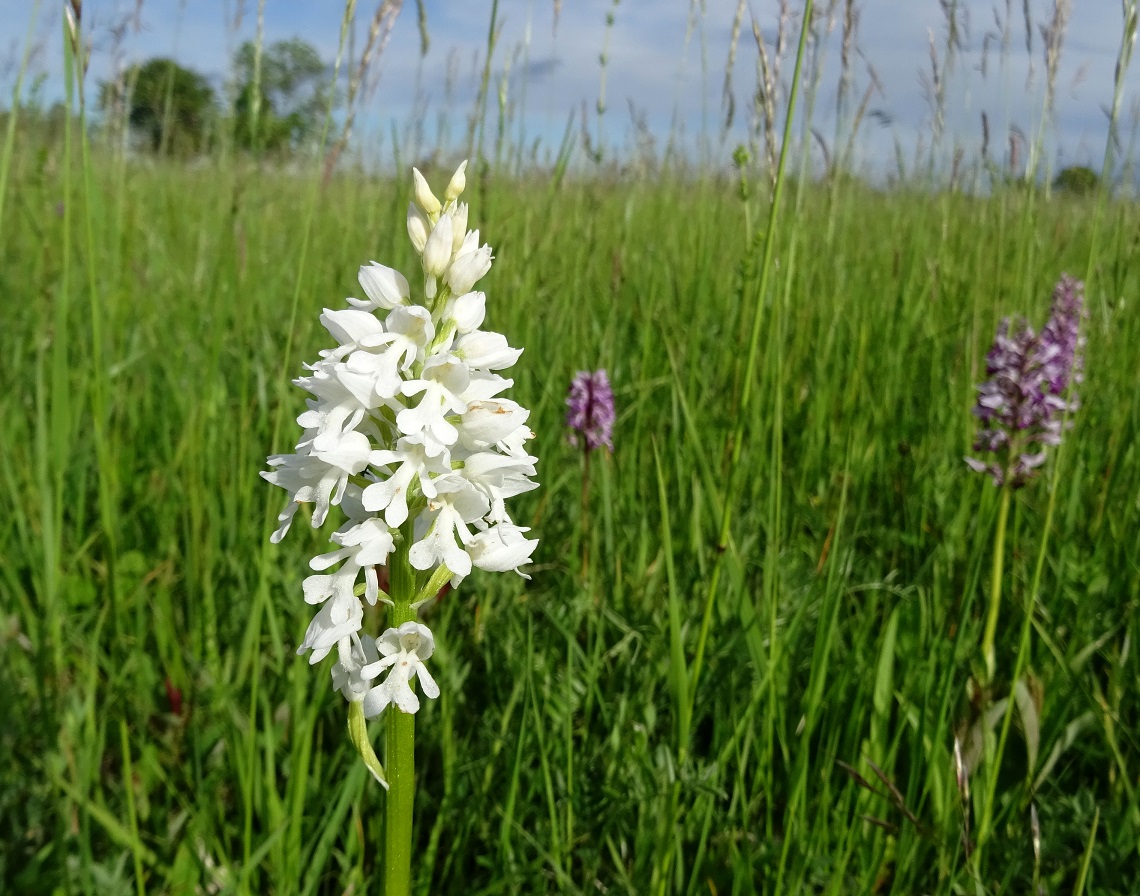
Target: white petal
<point>487,422</point>
<point>484,349</point>
<point>385,287</point>
<point>339,618</point>
<point>458,226</point>
<point>425,198</point>
<point>457,184</point>
<point>468,268</point>
<point>348,326</point>
<point>431,689</point>
<point>501,548</point>
<point>437,249</point>
<point>418,227</point>
<point>468,311</point>
<point>375,702</point>
<point>405,698</point>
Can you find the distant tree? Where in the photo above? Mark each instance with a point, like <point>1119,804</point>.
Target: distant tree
<point>168,106</point>
<point>294,91</point>
<point>1077,179</point>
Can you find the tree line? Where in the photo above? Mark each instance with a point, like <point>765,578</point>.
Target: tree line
<point>276,103</point>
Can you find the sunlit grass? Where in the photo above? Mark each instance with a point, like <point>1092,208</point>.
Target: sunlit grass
<point>847,622</point>
<point>161,735</point>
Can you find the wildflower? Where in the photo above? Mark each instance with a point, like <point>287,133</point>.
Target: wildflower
<point>1022,406</point>
<point>591,410</point>
<point>403,652</point>
<point>406,433</point>
<point>1062,345</point>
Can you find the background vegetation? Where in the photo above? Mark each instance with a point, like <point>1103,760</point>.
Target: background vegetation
<point>161,736</point>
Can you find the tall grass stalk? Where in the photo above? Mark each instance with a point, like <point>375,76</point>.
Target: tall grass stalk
<point>734,444</point>
<point>14,109</point>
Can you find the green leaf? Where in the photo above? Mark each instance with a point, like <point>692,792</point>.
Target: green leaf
<point>1030,719</point>
<point>358,734</point>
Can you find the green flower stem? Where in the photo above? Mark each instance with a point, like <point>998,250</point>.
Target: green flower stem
<point>991,751</point>
<point>995,587</point>
<point>584,528</point>
<point>400,734</point>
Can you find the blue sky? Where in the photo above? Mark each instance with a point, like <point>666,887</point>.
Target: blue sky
<point>666,67</point>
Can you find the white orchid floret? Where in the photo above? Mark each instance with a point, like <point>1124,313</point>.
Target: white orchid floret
<point>341,616</point>
<point>489,421</point>
<point>346,450</point>
<point>385,287</point>
<point>320,587</point>
<point>418,228</point>
<point>349,327</point>
<point>412,464</point>
<point>403,652</point>
<point>437,249</point>
<point>502,548</point>
<point>498,477</point>
<point>334,407</point>
<point>308,480</point>
<point>445,378</point>
<point>409,329</point>
<point>354,653</point>
<point>471,263</point>
<point>487,350</point>
<point>319,476</point>
<point>457,184</point>
<point>425,198</point>
<point>365,545</point>
<point>456,505</point>
<point>458,225</point>
<point>483,385</point>
<point>373,373</point>
<point>467,311</point>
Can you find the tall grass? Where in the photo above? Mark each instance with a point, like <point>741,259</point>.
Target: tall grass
<point>161,735</point>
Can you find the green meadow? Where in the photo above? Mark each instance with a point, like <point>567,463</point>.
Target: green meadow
<point>772,708</point>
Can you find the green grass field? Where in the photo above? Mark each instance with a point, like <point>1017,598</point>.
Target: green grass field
<point>160,735</point>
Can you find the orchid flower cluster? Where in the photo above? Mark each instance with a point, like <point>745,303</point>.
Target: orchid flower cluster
<point>590,410</point>
<point>1022,406</point>
<point>407,434</point>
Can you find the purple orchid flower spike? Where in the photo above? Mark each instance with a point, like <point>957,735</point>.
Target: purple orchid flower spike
<point>591,410</point>
<point>1031,388</point>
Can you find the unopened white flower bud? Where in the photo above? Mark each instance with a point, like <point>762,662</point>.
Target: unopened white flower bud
<point>385,287</point>
<point>437,249</point>
<point>425,198</point>
<point>457,183</point>
<point>468,311</point>
<point>418,227</point>
<point>468,268</point>
<point>458,226</point>
<point>483,349</point>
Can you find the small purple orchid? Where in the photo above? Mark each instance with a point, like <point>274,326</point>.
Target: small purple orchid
<point>1031,387</point>
<point>591,410</point>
